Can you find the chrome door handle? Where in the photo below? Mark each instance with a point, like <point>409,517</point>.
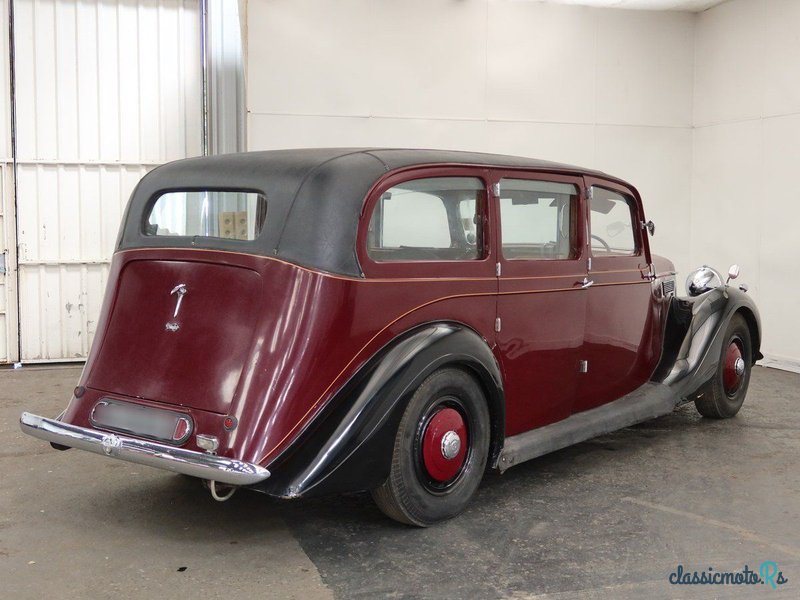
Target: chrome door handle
<point>586,283</point>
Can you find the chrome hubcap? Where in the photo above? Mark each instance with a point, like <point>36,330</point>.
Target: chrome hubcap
<point>738,366</point>
<point>451,444</point>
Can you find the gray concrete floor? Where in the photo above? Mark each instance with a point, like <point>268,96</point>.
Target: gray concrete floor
<point>610,518</point>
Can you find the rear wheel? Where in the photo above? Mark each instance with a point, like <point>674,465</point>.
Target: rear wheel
<point>728,389</point>
<point>440,451</point>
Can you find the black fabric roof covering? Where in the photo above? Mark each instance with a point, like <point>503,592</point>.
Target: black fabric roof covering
<point>314,197</point>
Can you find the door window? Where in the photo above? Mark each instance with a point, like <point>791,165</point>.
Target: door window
<point>428,219</point>
<point>538,219</point>
<point>611,223</point>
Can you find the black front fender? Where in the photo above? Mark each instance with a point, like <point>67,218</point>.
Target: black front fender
<point>349,446</point>
<point>694,335</point>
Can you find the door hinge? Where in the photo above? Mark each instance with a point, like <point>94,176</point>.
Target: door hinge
<point>496,190</point>
<point>498,325</point>
<point>590,263</point>
<point>498,269</point>
<point>583,366</point>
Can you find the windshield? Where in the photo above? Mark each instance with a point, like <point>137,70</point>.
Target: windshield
<point>220,214</point>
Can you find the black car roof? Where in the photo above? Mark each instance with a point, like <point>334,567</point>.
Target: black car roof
<point>314,196</point>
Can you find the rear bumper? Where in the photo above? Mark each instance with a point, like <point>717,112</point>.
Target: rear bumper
<point>161,456</point>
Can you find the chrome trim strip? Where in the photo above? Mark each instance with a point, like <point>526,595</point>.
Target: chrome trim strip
<point>161,456</point>
<point>108,427</point>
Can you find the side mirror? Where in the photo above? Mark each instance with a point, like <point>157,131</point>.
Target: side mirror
<point>650,226</point>
<point>733,273</point>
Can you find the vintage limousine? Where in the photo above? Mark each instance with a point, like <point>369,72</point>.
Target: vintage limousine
<point>327,320</point>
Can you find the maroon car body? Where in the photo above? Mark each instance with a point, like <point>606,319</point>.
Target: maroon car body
<point>294,355</point>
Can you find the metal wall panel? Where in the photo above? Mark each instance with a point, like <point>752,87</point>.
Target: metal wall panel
<point>9,350</point>
<point>8,292</point>
<point>106,90</point>
<point>226,91</point>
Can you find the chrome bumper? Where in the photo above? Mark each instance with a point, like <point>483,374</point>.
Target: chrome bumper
<point>188,462</point>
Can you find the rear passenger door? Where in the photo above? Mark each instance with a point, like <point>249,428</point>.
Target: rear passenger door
<point>541,303</point>
<point>619,319</point>
<point>427,251</point>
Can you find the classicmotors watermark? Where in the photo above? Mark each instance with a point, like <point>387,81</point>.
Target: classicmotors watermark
<point>767,574</point>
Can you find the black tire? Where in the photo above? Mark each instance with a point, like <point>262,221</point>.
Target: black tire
<point>410,495</point>
<point>718,402</point>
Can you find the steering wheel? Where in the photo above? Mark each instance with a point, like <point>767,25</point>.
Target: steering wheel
<point>606,247</point>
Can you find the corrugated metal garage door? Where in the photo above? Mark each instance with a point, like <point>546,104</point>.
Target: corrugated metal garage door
<point>8,293</point>
<point>105,90</point>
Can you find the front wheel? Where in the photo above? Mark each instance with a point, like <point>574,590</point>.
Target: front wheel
<point>725,395</point>
<point>440,451</point>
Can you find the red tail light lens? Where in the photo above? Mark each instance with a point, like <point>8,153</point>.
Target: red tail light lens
<point>182,429</point>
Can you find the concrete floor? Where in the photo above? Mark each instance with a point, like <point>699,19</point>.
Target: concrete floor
<point>610,518</point>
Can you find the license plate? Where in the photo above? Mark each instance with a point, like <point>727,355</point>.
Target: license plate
<point>142,421</point>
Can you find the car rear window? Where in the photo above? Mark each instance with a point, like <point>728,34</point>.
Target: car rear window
<point>222,214</point>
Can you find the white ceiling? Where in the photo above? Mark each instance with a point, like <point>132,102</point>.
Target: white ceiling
<point>688,5</point>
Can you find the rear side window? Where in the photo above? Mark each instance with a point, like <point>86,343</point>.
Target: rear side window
<point>219,214</point>
<point>611,223</point>
<point>428,219</point>
<point>538,219</point>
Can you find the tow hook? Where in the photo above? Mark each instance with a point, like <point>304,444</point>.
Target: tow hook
<point>220,492</point>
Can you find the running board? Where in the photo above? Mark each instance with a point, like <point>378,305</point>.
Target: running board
<point>646,402</point>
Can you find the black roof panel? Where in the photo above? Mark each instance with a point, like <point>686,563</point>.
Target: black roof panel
<point>314,196</point>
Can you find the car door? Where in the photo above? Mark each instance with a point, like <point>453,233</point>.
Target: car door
<point>541,304</point>
<point>620,318</point>
<point>426,248</point>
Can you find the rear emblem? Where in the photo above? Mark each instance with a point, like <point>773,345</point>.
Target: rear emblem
<point>181,291</point>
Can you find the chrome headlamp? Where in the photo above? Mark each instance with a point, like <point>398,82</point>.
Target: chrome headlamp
<point>702,280</point>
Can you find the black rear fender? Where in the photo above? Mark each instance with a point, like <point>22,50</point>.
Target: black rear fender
<point>349,446</point>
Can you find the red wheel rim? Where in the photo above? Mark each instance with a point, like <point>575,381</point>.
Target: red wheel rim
<point>734,368</point>
<point>444,445</point>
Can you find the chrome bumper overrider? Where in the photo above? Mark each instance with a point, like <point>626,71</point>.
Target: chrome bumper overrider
<point>188,462</point>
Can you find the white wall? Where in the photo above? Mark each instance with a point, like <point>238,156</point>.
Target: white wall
<point>602,88</point>
<point>699,111</point>
<point>745,196</point>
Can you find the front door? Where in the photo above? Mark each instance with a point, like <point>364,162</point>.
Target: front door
<point>620,320</point>
<point>541,303</point>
